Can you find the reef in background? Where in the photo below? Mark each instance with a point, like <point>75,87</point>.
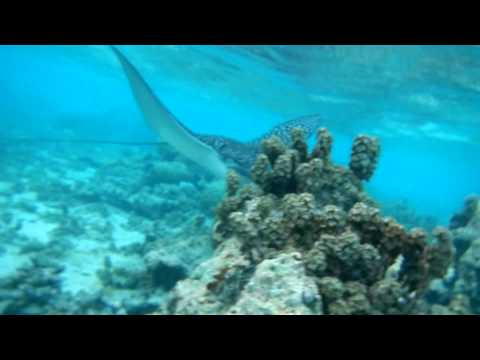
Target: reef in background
<point>306,239</point>
<point>407,216</point>
<point>459,292</point>
<point>107,232</point>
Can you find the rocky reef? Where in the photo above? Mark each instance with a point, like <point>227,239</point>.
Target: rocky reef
<point>36,289</point>
<point>302,238</point>
<point>123,227</point>
<point>305,238</point>
<point>459,293</point>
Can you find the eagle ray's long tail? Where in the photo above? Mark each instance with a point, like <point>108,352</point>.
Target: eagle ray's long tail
<point>164,123</point>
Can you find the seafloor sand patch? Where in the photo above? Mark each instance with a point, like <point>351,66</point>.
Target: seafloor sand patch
<point>11,260</point>
<point>37,229</point>
<point>121,234</point>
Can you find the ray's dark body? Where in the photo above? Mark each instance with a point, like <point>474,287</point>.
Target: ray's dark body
<point>243,155</point>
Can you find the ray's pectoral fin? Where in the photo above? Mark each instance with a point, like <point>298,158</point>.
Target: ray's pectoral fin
<point>164,123</point>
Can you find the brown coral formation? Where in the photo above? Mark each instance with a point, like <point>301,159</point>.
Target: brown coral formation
<point>468,214</point>
<point>362,263</point>
<point>459,293</point>
<point>363,160</point>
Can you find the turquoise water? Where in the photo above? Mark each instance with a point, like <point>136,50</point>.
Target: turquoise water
<point>425,117</point>
<point>422,102</point>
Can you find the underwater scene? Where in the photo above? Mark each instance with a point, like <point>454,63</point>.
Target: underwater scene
<point>242,179</point>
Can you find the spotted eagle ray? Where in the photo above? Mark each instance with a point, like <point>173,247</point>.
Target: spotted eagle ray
<point>212,152</point>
